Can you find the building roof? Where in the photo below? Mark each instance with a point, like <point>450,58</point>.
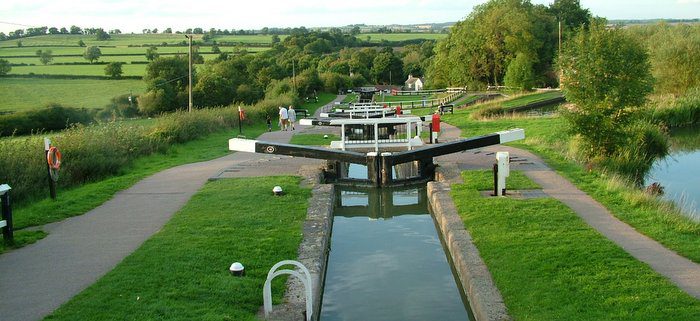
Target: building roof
<point>411,80</point>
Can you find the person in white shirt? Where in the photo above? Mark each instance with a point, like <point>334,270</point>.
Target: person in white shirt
<point>292,116</point>
<point>284,118</point>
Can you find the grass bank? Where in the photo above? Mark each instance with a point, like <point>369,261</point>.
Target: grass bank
<point>547,137</point>
<point>313,139</point>
<point>181,273</point>
<point>550,265</point>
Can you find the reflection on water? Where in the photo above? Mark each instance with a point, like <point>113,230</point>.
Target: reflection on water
<point>679,173</point>
<point>399,172</point>
<point>386,260</point>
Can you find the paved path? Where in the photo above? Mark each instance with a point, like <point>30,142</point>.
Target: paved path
<point>681,271</point>
<point>37,279</point>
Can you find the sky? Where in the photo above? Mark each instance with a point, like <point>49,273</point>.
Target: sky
<point>136,15</point>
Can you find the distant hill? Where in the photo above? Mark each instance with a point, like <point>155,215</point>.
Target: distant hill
<point>626,22</point>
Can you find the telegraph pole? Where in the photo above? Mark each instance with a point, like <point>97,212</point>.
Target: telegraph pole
<point>189,87</point>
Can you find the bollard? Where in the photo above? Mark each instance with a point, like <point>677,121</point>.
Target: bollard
<point>503,161</point>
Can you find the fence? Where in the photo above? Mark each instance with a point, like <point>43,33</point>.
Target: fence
<point>432,103</point>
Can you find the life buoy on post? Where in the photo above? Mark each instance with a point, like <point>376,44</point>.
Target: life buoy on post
<point>53,157</point>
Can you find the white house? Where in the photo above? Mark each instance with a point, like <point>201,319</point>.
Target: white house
<point>414,83</point>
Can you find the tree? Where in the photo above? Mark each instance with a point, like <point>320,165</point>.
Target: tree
<point>53,31</point>
<point>479,49</point>
<point>570,13</point>
<point>275,39</point>
<point>114,70</point>
<point>387,68</point>
<point>215,49</point>
<point>520,74</point>
<point>92,53</point>
<point>166,82</point>
<point>152,53</point>
<point>81,43</point>
<point>45,56</point>
<point>168,30</point>
<point>19,44</point>
<point>64,31</point>
<point>606,74</point>
<point>5,67</point>
<point>75,30</point>
<point>101,35</point>
<point>355,31</point>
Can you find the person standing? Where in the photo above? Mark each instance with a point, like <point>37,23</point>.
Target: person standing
<point>284,118</point>
<point>292,116</point>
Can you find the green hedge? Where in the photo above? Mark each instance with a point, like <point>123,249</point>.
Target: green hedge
<point>54,117</point>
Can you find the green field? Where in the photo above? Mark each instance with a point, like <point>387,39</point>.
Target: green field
<point>378,37</point>
<point>528,99</point>
<point>77,70</point>
<point>117,40</point>
<point>78,51</point>
<point>390,98</point>
<point>31,93</point>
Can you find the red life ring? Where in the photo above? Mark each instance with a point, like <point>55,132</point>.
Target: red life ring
<point>53,157</point>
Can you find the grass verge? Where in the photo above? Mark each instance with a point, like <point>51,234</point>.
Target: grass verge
<point>313,139</point>
<point>550,265</point>
<point>547,137</point>
<point>181,273</point>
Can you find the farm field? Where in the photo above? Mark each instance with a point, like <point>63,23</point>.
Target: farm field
<point>78,51</point>
<point>130,39</point>
<point>30,93</point>
<point>77,70</point>
<point>59,60</point>
<point>378,37</point>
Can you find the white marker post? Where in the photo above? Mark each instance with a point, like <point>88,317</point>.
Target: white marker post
<point>503,161</point>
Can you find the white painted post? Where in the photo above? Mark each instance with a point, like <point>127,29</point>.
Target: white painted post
<point>342,136</point>
<point>376,137</point>
<point>305,279</point>
<point>408,134</point>
<point>503,160</point>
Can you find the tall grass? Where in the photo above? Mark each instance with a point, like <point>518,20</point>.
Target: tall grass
<point>676,112</point>
<point>96,151</point>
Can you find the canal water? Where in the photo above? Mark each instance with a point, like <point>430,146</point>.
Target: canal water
<point>387,261</point>
<point>679,173</point>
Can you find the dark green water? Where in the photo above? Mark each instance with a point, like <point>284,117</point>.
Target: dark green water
<point>679,173</point>
<point>387,261</point>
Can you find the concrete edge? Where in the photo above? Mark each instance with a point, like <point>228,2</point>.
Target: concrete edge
<point>312,252</point>
<point>484,297</point>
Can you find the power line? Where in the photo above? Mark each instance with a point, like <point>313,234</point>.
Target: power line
<point>15,24</point>
<point>170,80</point>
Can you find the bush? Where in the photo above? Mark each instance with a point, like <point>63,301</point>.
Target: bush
<point>54,117</point>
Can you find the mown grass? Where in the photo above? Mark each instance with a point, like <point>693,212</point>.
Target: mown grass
<point>550,265</point>
<point>350,98</point>
<point>530,98</point>
<point>181,273</point>
<point>323,99</point>
<point>313,139</point>
<point>548,137</point>
<point>28,93</point>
